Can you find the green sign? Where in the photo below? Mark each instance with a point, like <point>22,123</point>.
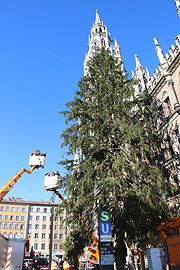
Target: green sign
<point>104,216</point>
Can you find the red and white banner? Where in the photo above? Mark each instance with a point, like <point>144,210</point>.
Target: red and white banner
<point>8,258</point>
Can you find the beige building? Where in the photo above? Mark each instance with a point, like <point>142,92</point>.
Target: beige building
<point>20,219</point>
<point>13,219</point>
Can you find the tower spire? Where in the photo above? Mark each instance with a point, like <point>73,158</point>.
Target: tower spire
<point>97,18</point>
<point>101,38</point>
<point>140,74</point>
<point>159,52</point>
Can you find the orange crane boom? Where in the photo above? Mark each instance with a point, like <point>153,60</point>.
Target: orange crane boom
<point>8,186</point>
<point>36,161</point>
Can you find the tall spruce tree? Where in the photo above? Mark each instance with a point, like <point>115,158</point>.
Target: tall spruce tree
<point>109,129</point>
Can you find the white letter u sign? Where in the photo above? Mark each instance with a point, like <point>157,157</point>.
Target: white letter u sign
<point>105,228</point>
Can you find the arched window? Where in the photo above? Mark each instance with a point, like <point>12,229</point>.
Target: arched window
<point>160,113</point>
<point>166,103</point>
<point>4,234</point>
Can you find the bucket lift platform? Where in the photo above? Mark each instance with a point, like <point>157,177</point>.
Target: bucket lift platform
<point>38,161</point>
<point>51,182</point>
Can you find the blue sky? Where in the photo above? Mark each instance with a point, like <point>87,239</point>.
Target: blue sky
<point>42,49</point>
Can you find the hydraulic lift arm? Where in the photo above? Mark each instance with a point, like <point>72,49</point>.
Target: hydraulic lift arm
<point>8,186</point>
<point>51,185</point>
<point>36,161</point>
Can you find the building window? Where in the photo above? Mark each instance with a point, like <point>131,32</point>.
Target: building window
<point>60,246</point>
<point>43,227</point>
<point>11,217</point>
<point>10,235</point>
<point>38,210</point>
<point>22,218</point>
<point>5,225</point>
<point>61,227</point>
<point>13,209</point>
<point>15,235</point>
<point>37,218</point>
<point>11,226</point>
<point>4,234</point>
<point>1,217</point>
<point>23,209</point>
<point>2,208</point>
<point>61,236</point>
<point>43,246</point>
<point>16,226</point>
<point>6,217</point>
<point>55,246</point>
<point>7,208</point>
<point>44,218</point>
<point>55,236</point>
<point>0,225</point>
<point>56,219</point>
<point>45,210</point>
<point>31,209</point>
<point>43,235</point>
<point>56,227</point>
<point>36,235</point>
<point>161,113</point>
<point>37,226</point>
<point>61,218</point>
<point>18,209</point>
<point>30,226</point>
<point>17,217</point>
<point>30,217</point>
<point>168,106</point>
<point>35,246</point>
<point>22,227</point>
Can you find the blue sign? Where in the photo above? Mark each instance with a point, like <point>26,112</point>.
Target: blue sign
<point>105,232</point>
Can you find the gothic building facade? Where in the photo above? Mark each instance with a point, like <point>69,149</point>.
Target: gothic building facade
<point>163,87</point>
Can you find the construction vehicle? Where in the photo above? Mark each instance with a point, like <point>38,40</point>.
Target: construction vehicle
<point>51,184</point>
<point>36,160</point>
<point>170,233</point>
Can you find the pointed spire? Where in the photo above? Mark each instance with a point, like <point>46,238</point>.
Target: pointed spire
<point>140,73</point>
<point>137,61</point>
<point>159,51</point>
<point>148,74</point>
<point>97,18</point>
<point>116,44</point>
<point>177,3</point>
